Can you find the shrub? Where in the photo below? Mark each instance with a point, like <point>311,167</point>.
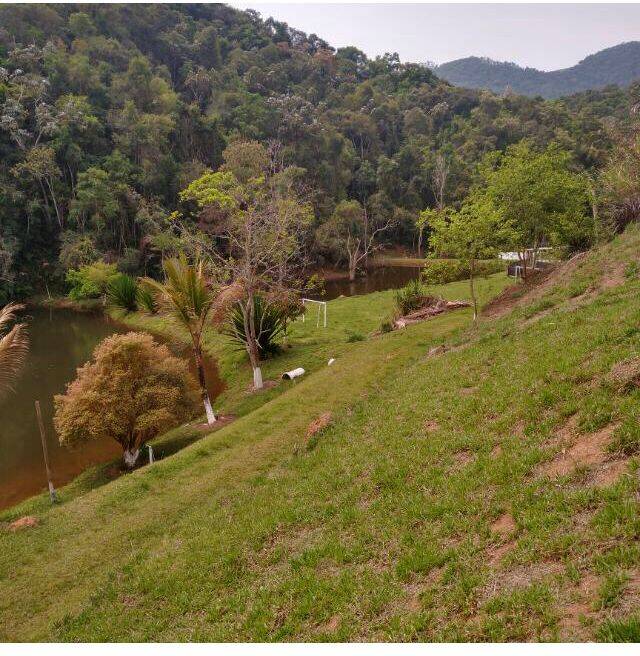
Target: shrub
<point>91,280</point>
<point>132,390</point>
<point>129,262</point>
<point>441,272</point>
<point>269,316</point>
<point>354,337</point>
<point>122,292</point>
<point>411,297</point>
<point>386,326</point>
<point>146,298</point>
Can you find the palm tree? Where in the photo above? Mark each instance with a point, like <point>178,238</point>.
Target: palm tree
<point>14,345</point>
<point>188,298</point>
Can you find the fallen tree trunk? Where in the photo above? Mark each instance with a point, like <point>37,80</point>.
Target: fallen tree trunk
<point>436,308</point>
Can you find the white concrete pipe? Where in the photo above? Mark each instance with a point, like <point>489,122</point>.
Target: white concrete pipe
<point>294,373</point>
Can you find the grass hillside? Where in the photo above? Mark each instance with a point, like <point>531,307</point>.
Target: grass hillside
<point>483,492</point>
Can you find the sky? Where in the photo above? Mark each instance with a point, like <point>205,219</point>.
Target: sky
<point>543,36</point>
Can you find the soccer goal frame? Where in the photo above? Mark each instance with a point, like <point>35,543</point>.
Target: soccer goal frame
<point>322,308</point>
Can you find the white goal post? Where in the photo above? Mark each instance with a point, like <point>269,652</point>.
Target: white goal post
<point>322,307</point>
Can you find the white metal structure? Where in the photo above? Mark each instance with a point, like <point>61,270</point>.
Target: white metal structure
<point>321,305</point>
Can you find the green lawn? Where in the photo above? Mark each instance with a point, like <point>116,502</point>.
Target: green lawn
<point>308,346</point>
<point>422,512</point>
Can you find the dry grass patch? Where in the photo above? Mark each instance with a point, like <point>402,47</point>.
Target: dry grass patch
<point>504,525</point>
<point>586,450</point>
<point>625,375</point>
<point>579,610</point>
<point>319,424</point>
<point>24,522</point>
<point>519,577</point>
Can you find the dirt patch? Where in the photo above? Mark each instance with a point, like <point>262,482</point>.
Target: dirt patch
<point>462,458</point>
<point>587,450</point>
<point>28,521</point>
<point>468,391</point>
<point>609,473</point>
<point>533,289</point>
<point>579,608</point>
<point>129,601</point>
<point>431,425</point>
<point>496,553</point>
<point>330,626</point>
<point>319,424</point>
<point>266,384</point>
<point>496,452</point>
<point>625,375</point>
<point>504,525</point>
<point>283,543</point>
<point>519,577</point>
<point>613,276</point>
<point>630,601</point>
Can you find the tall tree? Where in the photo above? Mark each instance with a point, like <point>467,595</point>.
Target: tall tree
<point>476,232</point>
<point>262,218</point>
<point>542,196</point>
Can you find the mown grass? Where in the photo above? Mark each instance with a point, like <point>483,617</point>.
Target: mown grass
<point>307,345</point>
<point>349,319</point>
<point>382,528</point>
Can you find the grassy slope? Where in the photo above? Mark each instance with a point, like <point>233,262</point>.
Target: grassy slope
<point>421,513</point>
<point>309,346</point>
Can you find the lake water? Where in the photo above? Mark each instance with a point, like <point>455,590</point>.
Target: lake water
<point>377,280</point>
<point>60,342</point>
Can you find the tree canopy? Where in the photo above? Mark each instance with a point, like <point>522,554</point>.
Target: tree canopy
<point>107,112</point>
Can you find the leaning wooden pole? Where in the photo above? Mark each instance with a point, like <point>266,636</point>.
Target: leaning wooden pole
<point>52,492</point>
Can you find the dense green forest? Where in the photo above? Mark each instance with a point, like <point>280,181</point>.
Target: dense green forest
<point>108,111</point>
<point>617,65</point>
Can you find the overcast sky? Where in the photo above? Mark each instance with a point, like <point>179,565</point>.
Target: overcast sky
<point>543,36</point>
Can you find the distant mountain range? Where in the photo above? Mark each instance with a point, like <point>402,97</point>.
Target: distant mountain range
<point>617,65</point>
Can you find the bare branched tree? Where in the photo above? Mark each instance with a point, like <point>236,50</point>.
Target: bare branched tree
<point>263,216</point>
<point>439,179</point>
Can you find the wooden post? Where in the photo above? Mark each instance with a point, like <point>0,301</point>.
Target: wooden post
<point>45,453</point>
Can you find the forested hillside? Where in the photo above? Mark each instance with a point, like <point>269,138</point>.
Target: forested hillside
<point>108,111</point>
<point>617,65</point>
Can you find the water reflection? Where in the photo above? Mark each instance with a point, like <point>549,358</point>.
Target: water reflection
<point>378,279</point>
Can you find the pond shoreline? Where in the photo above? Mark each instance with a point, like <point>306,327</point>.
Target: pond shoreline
<point>50,368</point>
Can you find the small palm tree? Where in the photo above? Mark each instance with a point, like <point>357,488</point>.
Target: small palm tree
<point>188,298</point>
<point>14,345</point>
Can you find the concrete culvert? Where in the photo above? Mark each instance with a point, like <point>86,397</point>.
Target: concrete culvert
<point>294,373</point>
